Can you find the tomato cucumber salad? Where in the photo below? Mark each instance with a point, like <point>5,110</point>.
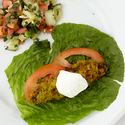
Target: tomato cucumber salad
<point>22,19</point>
<point>46,82</point>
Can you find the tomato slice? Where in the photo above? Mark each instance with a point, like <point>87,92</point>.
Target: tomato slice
<point>31,84</point>
<point>60,59</point>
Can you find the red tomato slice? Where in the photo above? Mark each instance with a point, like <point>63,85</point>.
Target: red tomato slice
<point>31,84</point>
<point>60,59</point>
<point>21,30</point>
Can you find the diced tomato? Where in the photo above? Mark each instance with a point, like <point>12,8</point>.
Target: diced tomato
<point>9,31</point>
<point>42,24</point>
<point>61,58</point>
<point>1,20</point>
<point>12,23</point>
<point>21,42</point>
<point>49,29</point>
<point>20,12</point>
<point>16,28</point>
<point>5,18</point>
<point>2,32</point>
<point>41,3</point>
<point>21,30</point>
<point>31,84</point>
<point>12,26</point>
<point>43,7</point>
<point>7,15</point>
<point>15,10</point>
<point>6,3</point>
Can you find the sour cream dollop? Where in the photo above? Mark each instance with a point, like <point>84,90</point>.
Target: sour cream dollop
<point>70,84</point>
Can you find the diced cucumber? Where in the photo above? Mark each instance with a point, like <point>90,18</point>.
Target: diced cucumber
<point>27,2</point>
<point>35,8</point>
<point>22,37</point>
<point>26,7</point>
<point>1,12</point>
<point>57,11</point>
<point>50,18</point>
<point>37,12</point>
<point>14,6</point>
<point>20,5</point>
<point>27,34</point>
<point>38,21</point>
<point>30,15</point>
<point>53,1</point>
<point>53,15</point>
<point>14,43</point>
<point>35,35</point>
<point>8,9</point>
<point>44,1</point>
<point>25,22</point>
<point>8,39</point>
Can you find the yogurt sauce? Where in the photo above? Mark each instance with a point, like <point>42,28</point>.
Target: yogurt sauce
<point>70,84</point>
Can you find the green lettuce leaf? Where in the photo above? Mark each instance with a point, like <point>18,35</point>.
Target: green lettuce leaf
<point>71,35</point>
<point>98,96</point>
<point>22,66</point>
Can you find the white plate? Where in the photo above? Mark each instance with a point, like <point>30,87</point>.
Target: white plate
<point>105,15</point>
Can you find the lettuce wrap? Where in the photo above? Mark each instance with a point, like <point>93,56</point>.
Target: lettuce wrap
<point>98,96</point>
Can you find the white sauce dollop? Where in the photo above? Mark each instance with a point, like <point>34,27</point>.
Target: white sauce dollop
<point>70,84</point>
